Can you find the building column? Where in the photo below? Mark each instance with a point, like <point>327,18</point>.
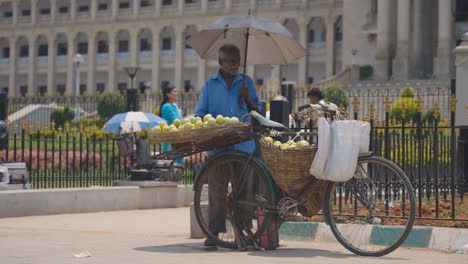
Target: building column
<point>201,73</point>
<point>302,62</point>
<point>53,10</point>
<point>442,60</point>
<point>91,82</point>
<point>275,78</point>
<point>112,60</point>
<point>73,10</point>
<point>250,71</point>
<point>133,47</point>
<point>12,90</point>
<point>417,44</point>
<point>32,65</point>
<point>70,54</point>
<point>51,65</point>
<point>253,5</point>
<point>382,58</point>
<point>155,61</point>
<point>115,9</point>
<point>180,7</point>
<point>14,7</point>
<point>136,8</point>
<point>179,57</point>
<point>278,3</point>
<point>34,11</point>
<point>204,6</point>
<point>157,7</point>
<point>330,47</point>
<point>228,5</point>
<point>401,61</point>
<point>93,9</point>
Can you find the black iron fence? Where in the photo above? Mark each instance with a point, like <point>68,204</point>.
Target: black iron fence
<point>360,98</point>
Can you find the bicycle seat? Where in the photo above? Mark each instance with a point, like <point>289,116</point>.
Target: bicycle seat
<point>265,122</point>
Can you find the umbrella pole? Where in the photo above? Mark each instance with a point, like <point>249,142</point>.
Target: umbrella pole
<point>241,100</point>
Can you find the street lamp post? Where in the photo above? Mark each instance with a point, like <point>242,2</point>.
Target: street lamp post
<point>77,60</point>
<point>132,93</point>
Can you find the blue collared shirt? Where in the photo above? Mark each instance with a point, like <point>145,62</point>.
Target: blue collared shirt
<point>217,99</point>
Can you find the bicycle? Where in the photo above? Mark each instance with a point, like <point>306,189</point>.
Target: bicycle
<point>378,195</point>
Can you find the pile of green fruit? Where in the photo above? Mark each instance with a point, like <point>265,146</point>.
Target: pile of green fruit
<point>287,145</point>
<point>192,123</point>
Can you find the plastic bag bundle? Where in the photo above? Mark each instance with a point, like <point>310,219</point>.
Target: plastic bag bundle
<point>339,146</point>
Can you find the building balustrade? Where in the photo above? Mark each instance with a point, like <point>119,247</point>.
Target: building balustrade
<point>44,18</point>
<point>339,45</point>
<point>241,4</point>
<point>42,60</point>
<point>125,12</point>
<point>103,14</point>
<point>24,20</point>
<point>216,5</point>
<point>192,7</point>
<point>123,55</point>
<point>168,9</point>
<point>145,54</point>
<point>62,59</point>
<point>83,16</point>
<point>165,54</point>
<point>6,20</point>
<point>23,60</point>
<point>316,45</point>
<point>189,53</point>
<point>291,3</point>
<point>62,17</point>
<point>102,56</point>
<point>4,61</point>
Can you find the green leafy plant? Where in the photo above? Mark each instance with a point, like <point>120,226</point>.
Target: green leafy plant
<point>365,72</point>
<point>60,116</point>
<point>110,104</point>
<point>336,95</point>
<point>411,112</point>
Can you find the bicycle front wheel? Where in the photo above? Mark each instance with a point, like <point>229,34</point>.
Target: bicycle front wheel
<point>232,193</point>
<point>373,212</point>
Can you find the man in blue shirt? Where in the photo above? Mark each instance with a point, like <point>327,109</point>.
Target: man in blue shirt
<point>229,94</point>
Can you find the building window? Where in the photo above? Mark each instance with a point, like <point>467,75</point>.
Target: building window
<point>164,84</point>
<point>63,9</point>
<point>167,2</point>
<point>102,46</point>
<point>122,86</point>
<point>45,11</point>
<point>6,52</point>
<point>8,14</point>
<point>42,89</point>
<point>124,5</point>
<point>83,48</point>
<point>61,89</point>
<point>24,51</point>
<point>123,45</point>
<point>187,46</point>
<point>260,81</point>
<point>82,89</point>
<point>324,35</point>
<point>26,12</point>
<point>42,50</point>
<point>145,3</point>
<point>23,90</point>
<point>61,49</point>
<point>310,80</point>
<point>102,6</point>
<point>145,45</point>
<point>311,36</point>
<point>83,8</point>
<point>190,1</point>
<point>100,87</point>
<point>166,45</point>
<point>187,85</point>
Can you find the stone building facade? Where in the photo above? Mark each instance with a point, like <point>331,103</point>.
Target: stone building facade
<point>38,39</point>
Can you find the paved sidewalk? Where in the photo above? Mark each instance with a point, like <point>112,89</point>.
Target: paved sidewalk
<point>161,236</point>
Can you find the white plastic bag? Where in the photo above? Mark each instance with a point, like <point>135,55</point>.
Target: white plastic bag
<point>317,167</point>
<point>345,142</point>
<point>361,171</point>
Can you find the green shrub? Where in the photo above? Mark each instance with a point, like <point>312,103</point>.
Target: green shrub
<point>110,104</point>
<point>365,72</point>
<point>89,122</point>
<point>60,116</point>
<point>411,110</point>
<point>336,95</point>
<point>407,92</point>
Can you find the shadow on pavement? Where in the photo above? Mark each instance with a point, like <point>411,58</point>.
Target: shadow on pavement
<point>282,252</point>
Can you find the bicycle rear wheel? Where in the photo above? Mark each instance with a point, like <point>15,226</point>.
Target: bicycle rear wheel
<point>373,212</point>
<point>244,193</point>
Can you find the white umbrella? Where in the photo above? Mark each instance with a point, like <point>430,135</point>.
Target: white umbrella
<point>267,41</point>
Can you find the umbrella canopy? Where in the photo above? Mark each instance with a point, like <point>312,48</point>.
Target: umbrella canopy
<point>268,42</point>
<point>131,120</point>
